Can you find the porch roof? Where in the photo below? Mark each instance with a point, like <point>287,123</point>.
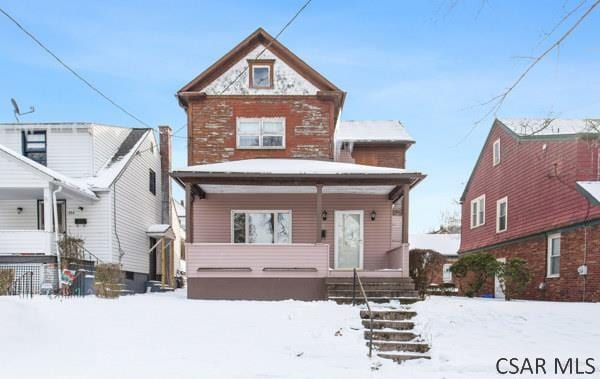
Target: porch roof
<point>53,176</point>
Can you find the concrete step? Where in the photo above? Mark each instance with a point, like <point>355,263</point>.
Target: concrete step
<point>396,314</point>
<point>390,335</point>
<point>373,293</point>
<point>375,285</point>
<point>401,357</point>
<point>367,281</point>
<point>412,347</point>
<point>378,300</point>
<point>389,324</point>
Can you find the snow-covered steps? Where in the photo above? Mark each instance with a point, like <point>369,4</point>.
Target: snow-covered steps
<point>401,357</point>
<point>388,324</point>
<point>412,347</point>
<point>377,300</point>
<point>388,314</point>
<point>378,290</point>
<point>390,335</point>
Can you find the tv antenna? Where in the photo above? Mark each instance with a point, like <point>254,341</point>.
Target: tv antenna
<point>17,111</point>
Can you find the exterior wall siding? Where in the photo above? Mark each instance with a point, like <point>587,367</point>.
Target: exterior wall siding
<point>136,209</point>
<point>384,155</point>
<point>212,219</point>
<point>106,142</point>
<point>212,127</point>
<point>16,174</point>
<point>539,183</point>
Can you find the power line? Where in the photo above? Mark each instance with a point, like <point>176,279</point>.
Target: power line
<point>72,71</point>
<point>294,17</point>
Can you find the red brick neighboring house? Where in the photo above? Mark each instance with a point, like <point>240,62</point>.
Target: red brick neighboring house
<point>522,200</point>
<point>281,194</point>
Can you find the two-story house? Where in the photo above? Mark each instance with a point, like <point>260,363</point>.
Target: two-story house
<point>522,200</point>
<point>98,183</point>
<point>283,196</point>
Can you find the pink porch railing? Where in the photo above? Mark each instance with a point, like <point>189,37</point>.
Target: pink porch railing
<point>206,260</point>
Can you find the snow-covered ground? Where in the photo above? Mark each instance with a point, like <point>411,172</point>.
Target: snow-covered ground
<point>166,335</point>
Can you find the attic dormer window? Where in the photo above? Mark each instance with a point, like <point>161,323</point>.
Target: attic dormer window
<point>261,73</point>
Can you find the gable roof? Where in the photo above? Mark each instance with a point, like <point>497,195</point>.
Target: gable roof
<point>260,36</point>
<point>538,129</point>
<point>372,131</point>
<point>61,179</point>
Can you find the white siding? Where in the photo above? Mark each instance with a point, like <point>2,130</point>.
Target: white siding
<point>179,238</point>
<point>106,142</point>
<point>11,220</point>
<point>18,174</point>
<point>95,234</point>
<point>137,208</point>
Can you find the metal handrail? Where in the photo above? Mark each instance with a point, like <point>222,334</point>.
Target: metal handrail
<point>355,279</point>
<point>21,283</point>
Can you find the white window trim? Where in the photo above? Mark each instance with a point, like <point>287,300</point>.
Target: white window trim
<point>269,84</point>
<point>501,201</point>
<point>260,120</point>
<point>548,255</point>
<point>477,200</point>
<point>496,162</point>
<point>246,211</point>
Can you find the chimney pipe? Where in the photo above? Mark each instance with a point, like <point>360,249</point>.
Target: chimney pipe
<point>165,133</point>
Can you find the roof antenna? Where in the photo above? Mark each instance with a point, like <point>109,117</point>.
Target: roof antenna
<point>17,111</point>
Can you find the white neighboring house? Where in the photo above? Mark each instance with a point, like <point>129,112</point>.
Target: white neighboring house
<point>105,184</point>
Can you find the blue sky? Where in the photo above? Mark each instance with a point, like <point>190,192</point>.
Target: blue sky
<point>424,63</point>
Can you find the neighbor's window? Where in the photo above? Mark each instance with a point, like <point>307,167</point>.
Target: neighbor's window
<point>496,152</point>
<point>501,214</point>
<point>554,256</point>
<point>446,273</point>
<point>267,227</point>
<point>34,145</point>
<point>152,182</point>
<point>261,74</point>
<point>478,211</point>
<point>261,133</point>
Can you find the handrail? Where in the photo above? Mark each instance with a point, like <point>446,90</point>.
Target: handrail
<point>98,260</point>
<point>21,282</point>
<point>356,278</point>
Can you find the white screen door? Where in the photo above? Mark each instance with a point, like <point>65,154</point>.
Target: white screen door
<point>348,239</point>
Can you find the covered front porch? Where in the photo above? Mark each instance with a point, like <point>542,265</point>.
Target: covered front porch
<point>261,234</point>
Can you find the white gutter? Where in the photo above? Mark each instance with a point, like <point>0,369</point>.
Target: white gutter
<point>55,211</point>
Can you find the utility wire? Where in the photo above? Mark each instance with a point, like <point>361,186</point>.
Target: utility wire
<point>259,54</point>
<point>72,71</point>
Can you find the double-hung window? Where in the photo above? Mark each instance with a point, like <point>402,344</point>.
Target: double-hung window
<point>496,153</point>
<point>553,256</point>
<point>34,145</point>
<point>501,215</point>
<point>478,211</point>
<point>258,226</point>
<point>261,133</point>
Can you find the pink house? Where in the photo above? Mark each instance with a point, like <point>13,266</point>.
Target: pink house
<point>283,197</point>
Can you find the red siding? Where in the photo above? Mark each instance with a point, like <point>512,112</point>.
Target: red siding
<point>539,184</point>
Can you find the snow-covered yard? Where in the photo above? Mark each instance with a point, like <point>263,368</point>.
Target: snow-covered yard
<point>163,335</point>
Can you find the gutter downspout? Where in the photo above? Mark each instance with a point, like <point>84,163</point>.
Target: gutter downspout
<point>56,233</point>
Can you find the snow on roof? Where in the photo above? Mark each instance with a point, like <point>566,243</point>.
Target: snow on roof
<point>60,178</point>
<point>160,230</point>
<point>591,190</point>
<point>525,127</point>
<point>291,167</point>
<point>372,131</point>
<point>113,167</point>
<point>56,125</point>
<point>445,244</point>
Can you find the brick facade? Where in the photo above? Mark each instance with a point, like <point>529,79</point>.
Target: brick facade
<point>385,155</point>
<point>309,123</point>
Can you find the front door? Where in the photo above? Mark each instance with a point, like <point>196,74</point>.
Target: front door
<point>498,292</point>
<point>348,239</point>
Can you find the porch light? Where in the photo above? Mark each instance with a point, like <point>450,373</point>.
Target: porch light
<point>324,215</point>
<point>19,210</point>
<point>373,215</point>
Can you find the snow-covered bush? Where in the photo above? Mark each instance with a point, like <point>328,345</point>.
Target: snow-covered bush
<point>422,265</point>
<point>108,280</point>
<point>473,271</point>
<point>514,277</point>
<point>6,278</point>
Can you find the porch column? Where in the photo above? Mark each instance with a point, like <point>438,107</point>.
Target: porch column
<point>405,191</point>
<point>48,220</point>
<point>319,210</point>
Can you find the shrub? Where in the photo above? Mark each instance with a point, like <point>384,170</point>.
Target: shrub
<point>422,264</point>
<point>71,249</point>
<point>108,280</point>
<point>6,278</point>
<point>473,270</point>
<point>514,276</point>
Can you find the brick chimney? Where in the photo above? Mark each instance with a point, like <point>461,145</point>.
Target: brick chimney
<point>165,168</point>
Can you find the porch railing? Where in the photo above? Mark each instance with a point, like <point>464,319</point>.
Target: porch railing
<point>26,242</point>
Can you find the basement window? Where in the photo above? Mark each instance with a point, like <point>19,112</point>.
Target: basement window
<point>34,146</point>
<point>260,133</point>
<point>553,256</point>
<point>478,212</point>
<point>261,227</point>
